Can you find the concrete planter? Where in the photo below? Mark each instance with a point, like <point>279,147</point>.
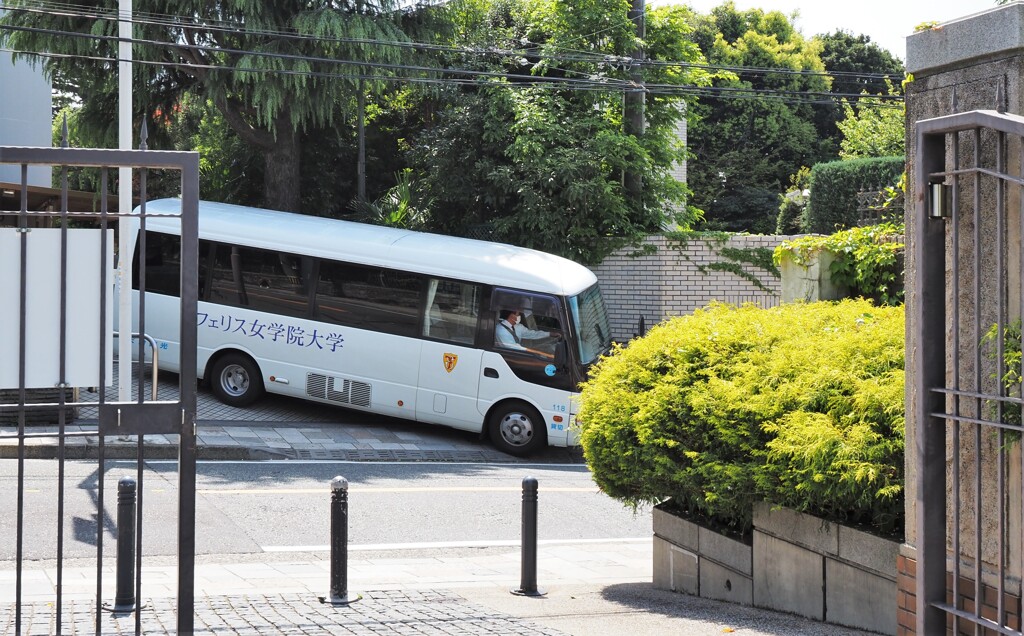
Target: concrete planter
<point>795,563</point>
<point>811,281</point>
<point>823,570</point>
<point>696,560</point>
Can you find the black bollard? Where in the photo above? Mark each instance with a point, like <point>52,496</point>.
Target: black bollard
<point>339,594</point>
<point>528,576</point>
<point>124,598</point>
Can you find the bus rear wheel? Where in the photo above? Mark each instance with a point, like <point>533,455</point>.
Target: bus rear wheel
<point>235,380</point>
<point>517,428</point>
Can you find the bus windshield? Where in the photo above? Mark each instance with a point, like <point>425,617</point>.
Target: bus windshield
<point>590,317</point>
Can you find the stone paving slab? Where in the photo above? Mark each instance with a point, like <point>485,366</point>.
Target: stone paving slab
<point>437,612</point>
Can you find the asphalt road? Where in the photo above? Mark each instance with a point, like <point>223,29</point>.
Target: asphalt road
<point>283,507</point>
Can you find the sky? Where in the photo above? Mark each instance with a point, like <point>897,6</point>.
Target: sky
<point>887,22</point>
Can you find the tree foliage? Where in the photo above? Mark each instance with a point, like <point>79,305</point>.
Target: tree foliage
<point>873,132</point>
<point>543,167</point>
<point>272,69</point>
<point>859,69</point>
<point>746,141</point>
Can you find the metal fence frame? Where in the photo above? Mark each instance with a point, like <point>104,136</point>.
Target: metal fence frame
<point>965,522</point>
<point>139,416</point>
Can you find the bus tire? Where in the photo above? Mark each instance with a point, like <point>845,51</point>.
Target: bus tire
<point>235,380</point>
<point>517,428</point>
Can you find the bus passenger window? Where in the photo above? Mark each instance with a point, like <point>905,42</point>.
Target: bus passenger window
<point>264,280</point>
<point>453,311</point>
<point>368,298</point>
<point>163,264</point>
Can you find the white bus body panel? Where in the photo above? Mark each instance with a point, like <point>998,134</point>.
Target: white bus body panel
<point>553,404</point>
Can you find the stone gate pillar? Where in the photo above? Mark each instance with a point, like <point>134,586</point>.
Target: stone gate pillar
<point>973,63</point>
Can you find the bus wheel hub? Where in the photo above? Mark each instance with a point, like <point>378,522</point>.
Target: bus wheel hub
<point>516,429</point>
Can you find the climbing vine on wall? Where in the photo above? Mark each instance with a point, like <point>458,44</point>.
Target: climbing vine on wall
<point>733,258</point>
<point>868,259</point>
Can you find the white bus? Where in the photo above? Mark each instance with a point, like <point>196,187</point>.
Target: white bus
<point>379,319</point>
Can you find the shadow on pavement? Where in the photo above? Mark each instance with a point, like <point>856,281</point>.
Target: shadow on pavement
<point>739,618</point>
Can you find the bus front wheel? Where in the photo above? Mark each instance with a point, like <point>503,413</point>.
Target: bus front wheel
<point>517,428</point>
<point>235,380</point>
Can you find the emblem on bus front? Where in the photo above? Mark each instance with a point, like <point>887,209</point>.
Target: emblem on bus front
<point>450,360</point>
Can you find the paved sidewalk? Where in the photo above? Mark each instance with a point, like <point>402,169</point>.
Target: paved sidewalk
<point>590,589</point>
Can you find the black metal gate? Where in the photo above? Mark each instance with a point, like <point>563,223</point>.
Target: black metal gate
<point>57,297</point>
<point>966,302</point>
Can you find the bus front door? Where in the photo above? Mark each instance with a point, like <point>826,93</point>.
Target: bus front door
<point>448,385</point>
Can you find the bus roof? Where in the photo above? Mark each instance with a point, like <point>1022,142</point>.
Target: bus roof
<point>432,254</point>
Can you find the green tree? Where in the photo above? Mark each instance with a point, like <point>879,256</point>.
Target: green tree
<point>857,66</point>
<point>544,165</point>
<point>876,129</point>
<point>272,69</point>
<point>758,127</point>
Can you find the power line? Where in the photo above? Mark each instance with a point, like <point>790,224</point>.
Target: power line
<point>521,81</point>
<point>173,21</point>
<point>456,76</point>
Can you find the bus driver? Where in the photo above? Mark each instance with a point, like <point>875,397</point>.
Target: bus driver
<point>510,333</point>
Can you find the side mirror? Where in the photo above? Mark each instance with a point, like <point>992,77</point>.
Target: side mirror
<point>561,354</point>
<point>641,327</point>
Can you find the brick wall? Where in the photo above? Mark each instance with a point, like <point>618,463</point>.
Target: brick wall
<point>906,601</point>
<point>675,281</point>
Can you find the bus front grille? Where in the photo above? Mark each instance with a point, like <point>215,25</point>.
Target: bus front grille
<point>338,390</point>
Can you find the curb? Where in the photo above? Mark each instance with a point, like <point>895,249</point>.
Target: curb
<point>129,451</point>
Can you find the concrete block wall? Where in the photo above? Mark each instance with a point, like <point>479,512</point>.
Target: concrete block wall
<point>795,563</point>
<point>823,570</point>
<point>674,280</point>
<point>694,560</point>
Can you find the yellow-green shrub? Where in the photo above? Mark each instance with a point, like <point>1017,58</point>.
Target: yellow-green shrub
<point>801,405</point>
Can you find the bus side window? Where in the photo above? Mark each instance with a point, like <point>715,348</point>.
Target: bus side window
<point>207,250</point>
<point>368,298</point>
<point>263,280</point>
<point>453,309</point>
<point>226,284</point>
<point>163,264</point>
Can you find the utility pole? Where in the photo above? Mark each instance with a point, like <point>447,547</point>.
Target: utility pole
<point>361,160</point>
<point>124,201</point>
<point>634,99</point>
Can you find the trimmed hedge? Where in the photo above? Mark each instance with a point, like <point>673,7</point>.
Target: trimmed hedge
<point>800,405</point>
<point>834,187</point>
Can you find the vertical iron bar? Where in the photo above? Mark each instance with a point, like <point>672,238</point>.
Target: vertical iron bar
<point>141,375</point>
<point>137,526</point>
<point>140,441</point>
<point>956,344</point>
<point>187,440</point>
<point>957,406</point>
<point>62,340</point>
<point>101,466</point>
<point>1000,368</point>
<point>1020,408</point>
<point>928,311</point>
<point>23,312</point>
<point>978,388</point>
